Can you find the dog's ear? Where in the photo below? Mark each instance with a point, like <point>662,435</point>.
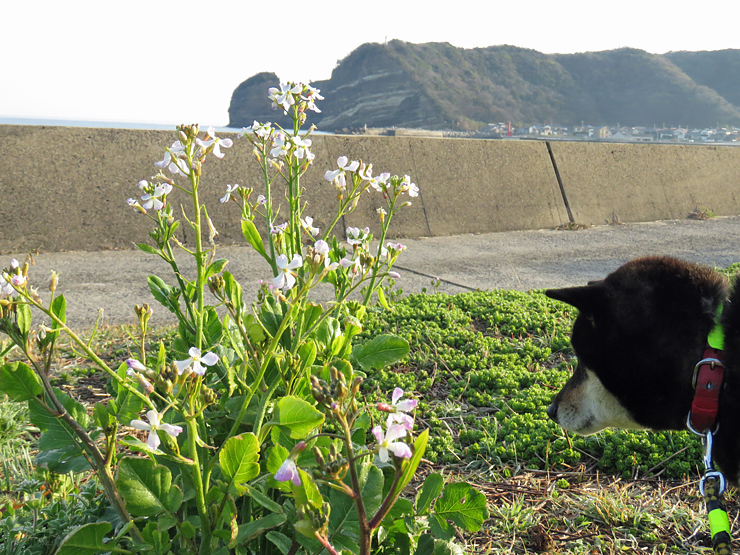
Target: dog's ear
<point>588,299</point>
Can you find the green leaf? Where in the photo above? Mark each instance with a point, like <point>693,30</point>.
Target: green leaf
<point>216,266</point>
<point>281,541</point>
<point>238,459</point>
<point>257,528</point>
<point>59,447</point>
<point>23,318</point>
<point>382,300</point>
<point>420,445</point>
<point>19,382</point>
<point>59,309</point>
<point>86,539</point>
<point>249,230</point>
<point>308,492</point>
<point>425,545</point>
<point>440,528</point>
<point>162,292</point>
<point>127,405</point>
<point>143,247</point>
<point>429,492</point>
<point>298,416</point>
<point>306,354</point>
<point>63,460</point>
<point>463,505</point>
<point>147,488</point>
<point>262,499</point>
<point>343,515</point>
<point>380,352</point>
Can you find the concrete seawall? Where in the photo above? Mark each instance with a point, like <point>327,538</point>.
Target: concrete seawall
<point>65,188</point>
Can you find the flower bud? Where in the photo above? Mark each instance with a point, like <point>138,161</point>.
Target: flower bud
<point>319,457</point>
<point>54,281</point>
<point>356,385</point>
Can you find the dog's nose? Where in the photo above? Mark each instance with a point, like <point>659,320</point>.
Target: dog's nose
<point>552,412</point>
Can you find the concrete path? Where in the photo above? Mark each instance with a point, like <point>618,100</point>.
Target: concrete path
<point>522,260</point>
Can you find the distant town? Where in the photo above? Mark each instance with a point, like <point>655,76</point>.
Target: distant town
<point>729,135</point>
<point>616,133</point>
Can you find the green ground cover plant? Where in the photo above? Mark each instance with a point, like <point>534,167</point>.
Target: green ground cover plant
<point>504,354</point>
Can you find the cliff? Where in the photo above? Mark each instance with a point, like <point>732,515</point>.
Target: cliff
<point>439,86</point>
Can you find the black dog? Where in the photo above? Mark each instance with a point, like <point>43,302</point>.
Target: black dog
<point>638,336</point>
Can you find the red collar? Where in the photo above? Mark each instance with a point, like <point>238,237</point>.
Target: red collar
<point>709,373</point>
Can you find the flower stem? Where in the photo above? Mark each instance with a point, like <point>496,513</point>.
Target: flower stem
<point>200,499</point>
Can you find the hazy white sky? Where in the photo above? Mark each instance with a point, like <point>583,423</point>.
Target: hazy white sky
<point>156,61</point>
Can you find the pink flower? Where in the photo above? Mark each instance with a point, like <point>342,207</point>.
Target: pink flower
<point>288,471</point>
<point>387,442</point>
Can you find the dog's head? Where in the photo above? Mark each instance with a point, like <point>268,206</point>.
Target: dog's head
<point>637,336</point>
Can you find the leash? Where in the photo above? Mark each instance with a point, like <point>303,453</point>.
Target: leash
<point>702,421</point>
<point>712,487</point>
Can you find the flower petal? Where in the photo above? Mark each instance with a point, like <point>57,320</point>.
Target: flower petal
<point>140,425</point>
<point>378,433</point>
<point>396,431</point>
<point>400,449</point>
<point>171,429</point>
<point>153,440</point>
<point>397,394</point>
<point>209,359</point>
<point>183,365</point>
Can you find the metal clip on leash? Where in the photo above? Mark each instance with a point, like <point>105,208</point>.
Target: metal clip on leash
<point>712,487</point>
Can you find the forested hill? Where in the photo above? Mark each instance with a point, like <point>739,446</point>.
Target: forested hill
<point>440,86</point>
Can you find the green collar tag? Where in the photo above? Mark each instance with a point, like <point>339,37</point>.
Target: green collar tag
<point>716,337</point>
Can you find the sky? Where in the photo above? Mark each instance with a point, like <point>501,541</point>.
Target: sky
<point>169,62</point>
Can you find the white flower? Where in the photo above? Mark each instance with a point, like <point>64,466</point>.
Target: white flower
<point>339,176</point>
<point>277,229</point>
<point>155,424</point>
<point>286,278</point>
<point>215,141</point>
<point>18,280</point>
<point>301,148</point>
<point>135,365</point>
<point>279,146</point>
<point>261,200</point>
<point>173,161</point>
<point>352,266</point>
<point>309,95</point>
<point>406,185</point>
<point>6,289</point>
<point>152,200</point>
<point>387,442</point>
<point>321,247</point>
<point>288,471</point>
<point>197,361</point>
<point>307,224</point>
<point>262,130</point>
<point>357,236</point>
<point>229,190</point>
<point>284,96</point>
<point>380,182</point>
